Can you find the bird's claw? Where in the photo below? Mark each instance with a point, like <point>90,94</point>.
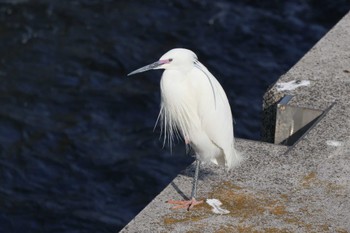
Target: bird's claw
<point>184,204</point>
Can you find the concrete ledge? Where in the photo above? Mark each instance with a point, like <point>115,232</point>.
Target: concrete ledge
<point>240,191</point>
<point>270,192</point>
<point>301,188</point>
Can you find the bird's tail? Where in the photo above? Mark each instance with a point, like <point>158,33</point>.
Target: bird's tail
<point>233,158</point>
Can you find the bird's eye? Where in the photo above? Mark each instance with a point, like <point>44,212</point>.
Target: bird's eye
<point>170,59</point>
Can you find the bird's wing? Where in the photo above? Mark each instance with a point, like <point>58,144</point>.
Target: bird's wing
<point>215,114</point>
<point>213,108</point>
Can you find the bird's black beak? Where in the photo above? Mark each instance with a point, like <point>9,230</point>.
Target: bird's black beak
<point>152,66</point>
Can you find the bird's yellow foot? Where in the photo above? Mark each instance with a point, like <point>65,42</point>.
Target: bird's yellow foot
<point>184,204</point>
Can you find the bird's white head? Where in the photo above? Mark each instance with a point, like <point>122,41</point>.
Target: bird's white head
<point>178,58</point>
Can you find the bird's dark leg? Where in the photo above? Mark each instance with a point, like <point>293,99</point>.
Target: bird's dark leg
<point>190,203</point>
<point>195,180</point>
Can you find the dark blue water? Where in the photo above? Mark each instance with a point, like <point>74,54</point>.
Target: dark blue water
<point>77,151</point>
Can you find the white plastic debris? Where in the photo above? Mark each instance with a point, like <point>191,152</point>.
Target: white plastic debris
<point>333,143</point>
<point>289,86</point>
<point>215,203</point>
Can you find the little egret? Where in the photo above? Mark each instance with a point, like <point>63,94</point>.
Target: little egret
<point>195,106</point>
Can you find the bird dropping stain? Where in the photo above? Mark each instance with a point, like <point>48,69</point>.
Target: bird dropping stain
<point>289,86</point>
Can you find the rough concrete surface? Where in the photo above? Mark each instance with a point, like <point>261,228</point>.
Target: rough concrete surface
<point>302,188</point>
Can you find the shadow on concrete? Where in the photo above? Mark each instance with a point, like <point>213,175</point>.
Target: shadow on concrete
<point>178,190</point>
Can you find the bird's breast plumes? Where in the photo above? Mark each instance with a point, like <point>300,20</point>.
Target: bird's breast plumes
<point>178,106</point>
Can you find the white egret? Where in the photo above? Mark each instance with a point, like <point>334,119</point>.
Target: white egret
<point>195,106</point>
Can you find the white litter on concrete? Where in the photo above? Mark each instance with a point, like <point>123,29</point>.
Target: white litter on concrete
<point>333,143</point>
<point>289,86</point>
<point>215,203</point>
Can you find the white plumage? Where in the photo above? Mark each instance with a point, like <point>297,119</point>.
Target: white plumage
<point>195,106</point>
